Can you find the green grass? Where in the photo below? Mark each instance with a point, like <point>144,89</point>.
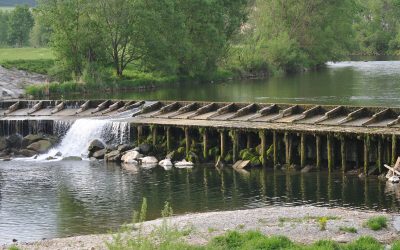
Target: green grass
<point>37,60</point>
<point>377,223</point>
<point>352,230</point>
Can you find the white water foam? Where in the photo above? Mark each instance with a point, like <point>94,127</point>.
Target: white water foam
<point>83,131</point>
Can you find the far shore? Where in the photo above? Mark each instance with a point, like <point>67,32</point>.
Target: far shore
<point>300,224</point>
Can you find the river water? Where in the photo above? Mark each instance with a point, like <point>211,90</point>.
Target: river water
<point>58,199</point>
<point>374,83</point>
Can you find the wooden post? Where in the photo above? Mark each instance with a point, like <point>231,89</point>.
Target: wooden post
<point>330,152</point>
<point>366,154</point>
<point>222,149</point>
<point>187,140</point>
<point>394,149</point>
<point>154,132</point>
<point>235,145</point>
<point>275,146</point>
<point>288,148</point>
<point>303,155</point>
<point>263,148</point>
<point>318,151</point>
<point>205,144</point>
<point>139,134</point>
<point>343,153</point>
<point>379,159</point>
<point>168,135</point>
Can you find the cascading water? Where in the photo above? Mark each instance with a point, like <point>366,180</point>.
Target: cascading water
<point>83,131</point>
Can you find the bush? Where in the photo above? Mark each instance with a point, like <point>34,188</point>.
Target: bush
<point>377,223</point>
<point>364,243</point>
<point>348,229</point>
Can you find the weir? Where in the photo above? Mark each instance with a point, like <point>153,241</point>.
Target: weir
<point>332,137</point>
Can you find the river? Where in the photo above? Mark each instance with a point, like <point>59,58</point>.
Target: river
<point>373,83</point>
<point>59,199</point>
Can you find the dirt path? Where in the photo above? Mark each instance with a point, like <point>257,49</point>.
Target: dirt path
<point>13,82</point>
<point>300,224</point>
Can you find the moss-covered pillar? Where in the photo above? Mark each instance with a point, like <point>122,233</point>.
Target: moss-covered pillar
<point>249,140</point>
<point>394,149</point>
<point>303,155</point>
<point>187,140</point>
<point>223,144</point>
<point>329,143</point>
<point>366,154</point>
<point>168,136</point>
<point>379,158</point>
<point>288,148</point>
<point>154,135</point>
<point>139,134</point>
<point>318,151</point>
<point>275,147</point>
<point>235,145</point>
<point>343,153</point>
<point>263,140</point>
<point>205,144</point>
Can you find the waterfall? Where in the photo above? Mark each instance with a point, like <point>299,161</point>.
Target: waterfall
<point>61,127</point>
<point>83,131</point>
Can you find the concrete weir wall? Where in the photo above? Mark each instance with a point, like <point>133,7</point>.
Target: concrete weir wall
<point>271,135</point>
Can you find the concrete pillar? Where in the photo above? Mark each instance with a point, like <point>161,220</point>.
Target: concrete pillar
<point>249,140</point>
<point>168,135</point>
<point>366,154</point>
<point>330,152</point>
<point>303,154</point>
<point>275,147</point>
<point>394,150</point>
<point>187,140</point>
<point>205,145</point>
<point>318,151</point>
<point>223,144</point>
<point>263,148</point>
<point>343,153</point>
<point>139,134</point>
<point>288,148</point>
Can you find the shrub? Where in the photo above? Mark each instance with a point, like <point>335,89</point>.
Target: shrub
<point>364,243</point>
<point>348,229</point>
<point>322,223</point>
<point>377,223</point>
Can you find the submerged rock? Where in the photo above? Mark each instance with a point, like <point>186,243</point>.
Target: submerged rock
<point>307,169</point>
<point>131,156</point>
<point>41,146</point>
<point>72,158</point>
<point>184,164</point>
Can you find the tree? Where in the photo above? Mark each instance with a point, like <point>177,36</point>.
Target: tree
<point>20,25</point>
<point>4,15</point>
<point>119,25</point>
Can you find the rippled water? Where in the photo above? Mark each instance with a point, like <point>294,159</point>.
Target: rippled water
<point>375,83</point>
<point>58,199</point>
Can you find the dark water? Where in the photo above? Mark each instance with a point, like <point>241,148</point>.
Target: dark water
<point>58,199</point>
<point>374,83</point>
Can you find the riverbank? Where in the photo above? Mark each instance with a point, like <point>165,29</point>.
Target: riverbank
<point>300,224</point>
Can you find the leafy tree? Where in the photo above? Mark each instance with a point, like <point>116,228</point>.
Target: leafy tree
<point>40,34</point>
<point>20,25</point>
<point>4,15</point>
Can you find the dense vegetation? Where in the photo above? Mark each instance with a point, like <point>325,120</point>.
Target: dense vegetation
<point>110,41</point>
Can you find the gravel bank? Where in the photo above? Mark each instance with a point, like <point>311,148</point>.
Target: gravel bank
<point>13,82</point>
<point>300,224</point>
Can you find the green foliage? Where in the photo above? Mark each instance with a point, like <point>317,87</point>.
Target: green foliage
<point>20,25</point>
<point>4,16</point>
<point>396,245</point>
<point>377,223</point>
<point>322,223</point>
<point>364,243</point>
<point>13,248</point>
<point>251,154</point>
<point>348,229</point>
<point>35,66</point>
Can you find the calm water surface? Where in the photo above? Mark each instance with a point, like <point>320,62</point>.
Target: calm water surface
<point>59,199</point>
<point>375,83</point>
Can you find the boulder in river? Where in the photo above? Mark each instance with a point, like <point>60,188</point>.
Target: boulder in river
<point>100,154</point>
<point>131,156</point>
<point>113,156</point>
<point>41,146</point>
<point>72,158</point>
<point>124,147</point>
<point>29,139</point>
<point>27,153</point>
<point>184,164</point>
<point>308,169</point>
<point>3,143</point>
<point>149,160</point>
<point>166,164</point>
<point>95,145</point>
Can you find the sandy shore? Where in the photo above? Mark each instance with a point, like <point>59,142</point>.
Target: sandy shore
<point>300,224</point>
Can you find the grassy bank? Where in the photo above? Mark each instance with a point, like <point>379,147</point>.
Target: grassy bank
<point>35,60</point>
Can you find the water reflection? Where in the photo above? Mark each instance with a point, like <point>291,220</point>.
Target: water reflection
<point>355,83</point>
<point>61,199</point>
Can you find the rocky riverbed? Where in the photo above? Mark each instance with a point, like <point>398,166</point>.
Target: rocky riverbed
<point>13,82</point>
<point>300,224</point>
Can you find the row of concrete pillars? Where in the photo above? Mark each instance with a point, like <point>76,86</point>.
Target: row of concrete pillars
<point>333,151</point>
